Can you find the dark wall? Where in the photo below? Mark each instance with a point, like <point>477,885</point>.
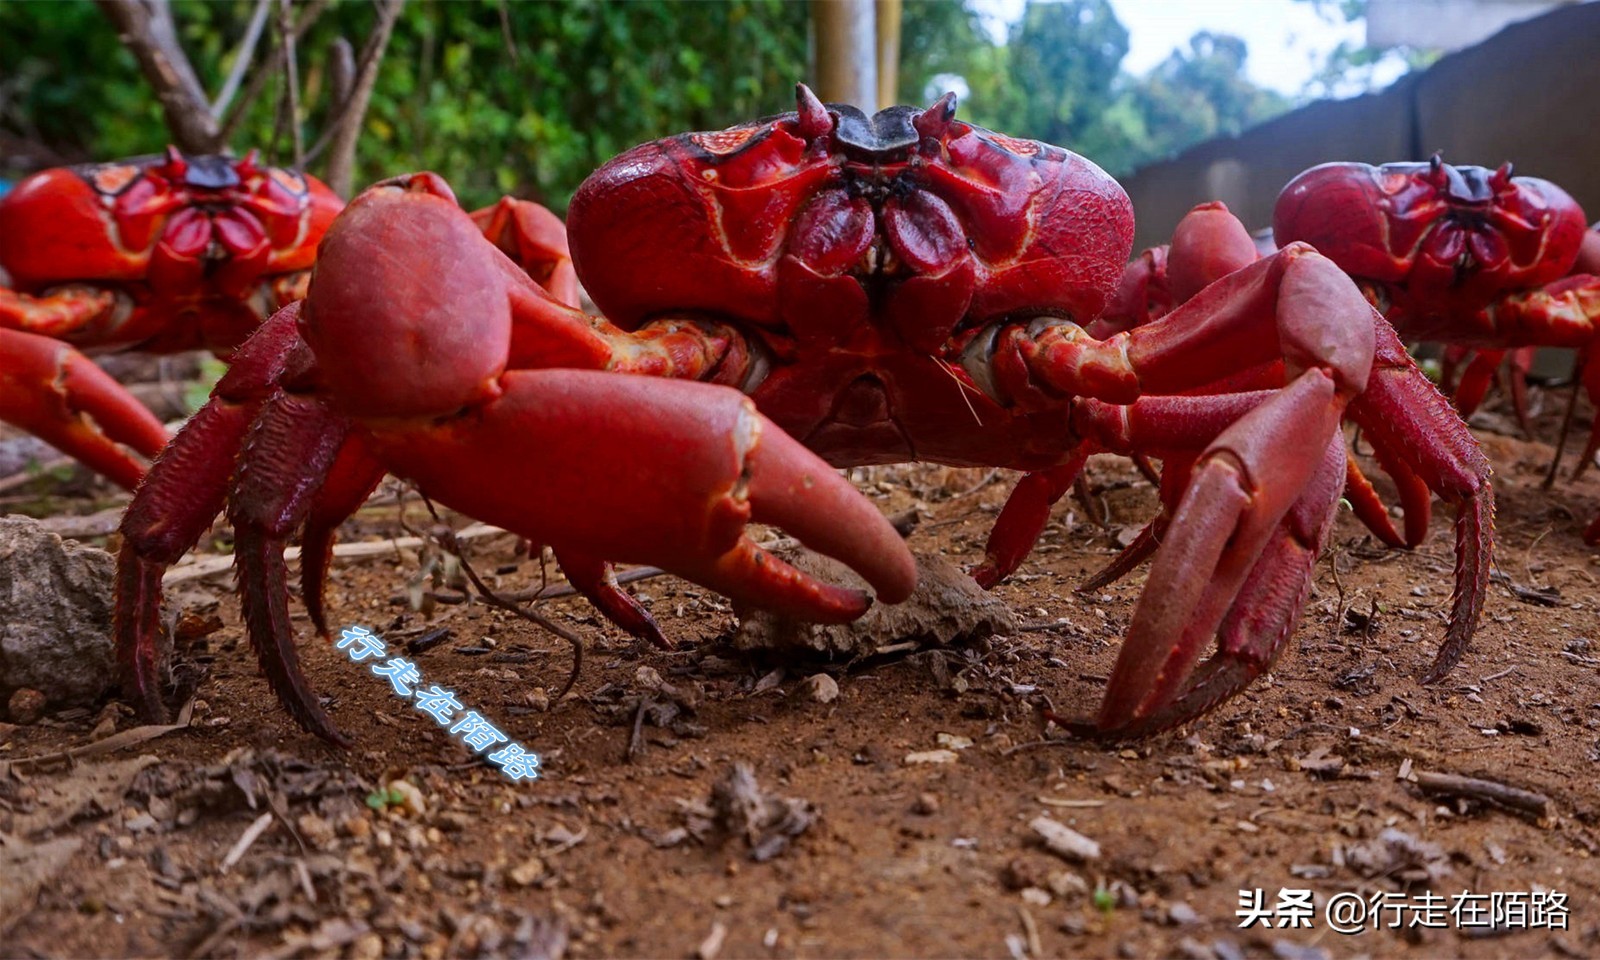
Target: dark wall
<point>1530,94</point>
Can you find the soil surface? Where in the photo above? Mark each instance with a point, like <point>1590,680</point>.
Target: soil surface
<point>708,802</point>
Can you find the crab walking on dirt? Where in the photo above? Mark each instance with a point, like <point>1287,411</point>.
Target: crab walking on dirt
<point>898,287</point>
<point>163,254</point>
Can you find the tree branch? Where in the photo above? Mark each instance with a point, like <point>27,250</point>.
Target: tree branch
<point>342,155</point>
<point>145,27</point>
<point>291,86</point>
<point>241,58</point>
<point>274,62</point>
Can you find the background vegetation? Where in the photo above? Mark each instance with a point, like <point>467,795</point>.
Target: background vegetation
<point>528,96</point>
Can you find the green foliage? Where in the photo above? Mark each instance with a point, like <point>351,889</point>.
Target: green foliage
<point>1200,93</point>
<point>1351,67</point>
<point>1064,61</point>
<point>1058,78</point>
<point>529,96</point>
<point>522,97</point>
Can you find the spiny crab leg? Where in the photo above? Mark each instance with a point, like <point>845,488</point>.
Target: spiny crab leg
<point>1402,411</point>
<point>56,393</point>
<point>184,492</point>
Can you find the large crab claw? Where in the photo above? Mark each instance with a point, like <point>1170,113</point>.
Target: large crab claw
<point>56,393</point>
<point>1240,390</point>
<point>417,351</point>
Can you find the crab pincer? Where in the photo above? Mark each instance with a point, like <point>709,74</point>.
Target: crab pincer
<point>55,392</point>
<point>385,368</point>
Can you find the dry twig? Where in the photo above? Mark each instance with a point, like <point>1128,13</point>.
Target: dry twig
<point>1500,794</point>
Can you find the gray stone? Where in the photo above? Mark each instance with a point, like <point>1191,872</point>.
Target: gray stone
<point>947,609</point>
<point>55,614</point>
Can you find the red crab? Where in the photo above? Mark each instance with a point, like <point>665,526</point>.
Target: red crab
<point>887,288</point>
<point>162,253</point>
<point>1473,257</point>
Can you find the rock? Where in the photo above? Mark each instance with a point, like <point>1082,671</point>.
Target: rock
<point>932,756</point>
<point>819,687</point>
<point>55,614</point>
<point>411,798</point>
<point>1064,841</point>
<point>26,706</point>
<point>947,608</point>
<point>368,946</point>
<point>316,830</point>
<point>768,822</point>
<point>527,873</point>
<point>927,804</point>
<point>356,826</point>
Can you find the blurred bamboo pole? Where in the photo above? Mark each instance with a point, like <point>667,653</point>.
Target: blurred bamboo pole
<point>888,53</point>
<point>847,52</point>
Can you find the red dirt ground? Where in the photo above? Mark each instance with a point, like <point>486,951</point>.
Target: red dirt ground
<point>1297,784</point>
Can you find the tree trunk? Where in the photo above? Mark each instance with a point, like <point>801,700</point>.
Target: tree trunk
<point>145,27</point>
<point>847,55</point>
<point>888,53</point>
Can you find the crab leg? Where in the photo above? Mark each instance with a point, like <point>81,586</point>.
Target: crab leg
<point>185,491</point>
<point>290,450</point>
<point>1402,411</point>
<point>1259,622</point>
<point>1023,518</point>
<point>1296,305</point>
<point>351,479</point>
<point>1241,488</point>
<point>1176,470</point>
<point>597,580</point>
<point>56,314</point>
<point>536,239</point>
<point>56,393</point>
<point>1486,366</point>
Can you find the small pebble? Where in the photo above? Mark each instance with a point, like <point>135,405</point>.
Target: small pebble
<point>1192,949</point>
<point>538,698</point>
<point>315,830</point>
<point>712,944</point>
<point>819,688</point>
<point>526,873</point>
<point>356,826</point>
<point>454,821</point>
<point>932,756</point>
<point>927,804</point>
<point>1035,897</point>
<point>1181,914</point>
<point>1065,883</point>
<point>26,705</point>
<point>1227,950</point>
<point>369,946</point>
<point>412,799</point>
<point>1064,841</point>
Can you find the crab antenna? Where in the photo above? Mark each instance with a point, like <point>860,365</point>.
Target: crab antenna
<point>1502,176</point>
<point>814,119</point>
<point>247,166</point>
<point>934,121</point>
